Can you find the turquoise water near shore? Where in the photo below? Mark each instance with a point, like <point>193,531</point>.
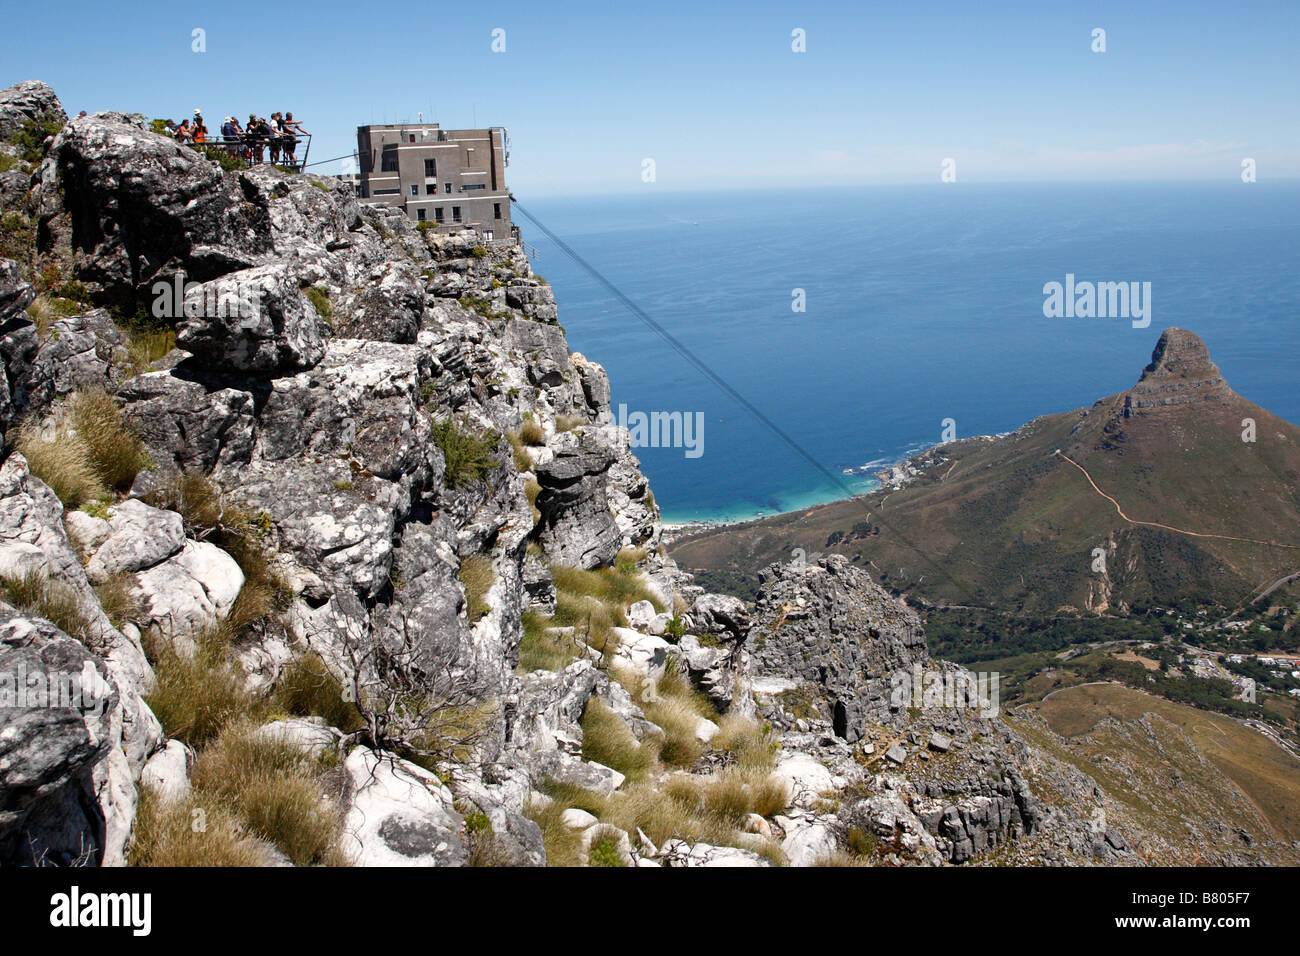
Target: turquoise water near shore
<point>923,303</point>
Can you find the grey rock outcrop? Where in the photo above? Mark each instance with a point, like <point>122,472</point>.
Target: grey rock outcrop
<point>828,628</point>
<point>29,100</point>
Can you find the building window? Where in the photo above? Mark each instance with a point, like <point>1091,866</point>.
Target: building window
<point>412,138</point>
<point>419,214</point>
<point>438,215</point>
<point>455,214</point>
<point>415,189</point>
<point>389,162</point>
<point>388,192</point>
<point>431,189</point>
<point>430,168</point>
<point>447,188</point>
<point>472,187</point>
<point>488,235</point>
<point>496,210</point>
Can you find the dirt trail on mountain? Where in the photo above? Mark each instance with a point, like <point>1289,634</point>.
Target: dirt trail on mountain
<point>1156,524</point>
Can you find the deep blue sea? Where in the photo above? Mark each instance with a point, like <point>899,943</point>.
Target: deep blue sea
<point>923,303</point>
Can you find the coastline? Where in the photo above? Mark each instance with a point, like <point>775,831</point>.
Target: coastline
<point>880,474</point>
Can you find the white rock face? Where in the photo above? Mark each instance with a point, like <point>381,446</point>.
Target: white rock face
<point>139,537</point>
<point>168,771</point>
<point>643,654</point>
<point>86,531</point>
<point>640,614</point>
<point>706,730</point>
<point>399,814</point>
<point>681,853</point>
<point>188,592</point>
<point>576,819</point>
<point>806,844</point>
<point>804,778</point>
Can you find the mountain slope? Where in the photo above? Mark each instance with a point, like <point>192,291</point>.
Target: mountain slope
<point>1158,477</point>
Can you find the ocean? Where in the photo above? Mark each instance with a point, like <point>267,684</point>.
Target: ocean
<point>923,309</point>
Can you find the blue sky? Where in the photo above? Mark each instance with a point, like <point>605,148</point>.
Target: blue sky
<point>714,93</point>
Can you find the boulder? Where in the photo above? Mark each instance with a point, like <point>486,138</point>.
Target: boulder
<point>804,777</point>
<point>681,853</point>
<point>721,615</point>
<point>28,100</point>
<point>139,537</point>
<point>387,308</point>
<point>808,844</point>
<point>168,771</point>
<point>398,814</point>
<point>130,208</point>
<point>576,527</point>
<point>255,320</point>
<point>187,593</point>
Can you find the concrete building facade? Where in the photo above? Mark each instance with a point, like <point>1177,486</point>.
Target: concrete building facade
<point>455,178</point>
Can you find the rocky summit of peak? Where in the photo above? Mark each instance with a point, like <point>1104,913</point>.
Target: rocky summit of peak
<point>1181,373</point>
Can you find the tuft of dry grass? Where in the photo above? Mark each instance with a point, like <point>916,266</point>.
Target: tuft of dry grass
<point>563,846</point>
<point>116,452</point>
<point>115,598</point>
<point>607,740</point>
<point>531,433</point>
<point>477,575</point>
<point>195,697</point>
<point>567,423</point>
<point>191,832</point>
<point>34,593</point>
<point>273,786</point>
<point>746,741</point>
<point>307,689</point>
<point>86,451</point>
<point>58,457</point>
<point>540,650</point>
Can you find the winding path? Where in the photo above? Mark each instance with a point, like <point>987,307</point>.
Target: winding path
<point>1156,524</point>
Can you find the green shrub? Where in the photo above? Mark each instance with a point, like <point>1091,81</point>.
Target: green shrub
<point>30,139</point>
<point>426,227</point>
<point>17,235</point>
<point>320,299</point>
<point>604,852</point>
<point>478,252</point>
<point>223,157</point>
<point>468,455</point>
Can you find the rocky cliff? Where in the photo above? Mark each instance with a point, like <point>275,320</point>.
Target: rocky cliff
<point>306,510</point>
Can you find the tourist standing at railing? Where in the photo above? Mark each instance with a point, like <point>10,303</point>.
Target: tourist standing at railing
<point>183,132</point>
<point>293,129</point>
<point>277,137</point>
<point>253,136</point>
